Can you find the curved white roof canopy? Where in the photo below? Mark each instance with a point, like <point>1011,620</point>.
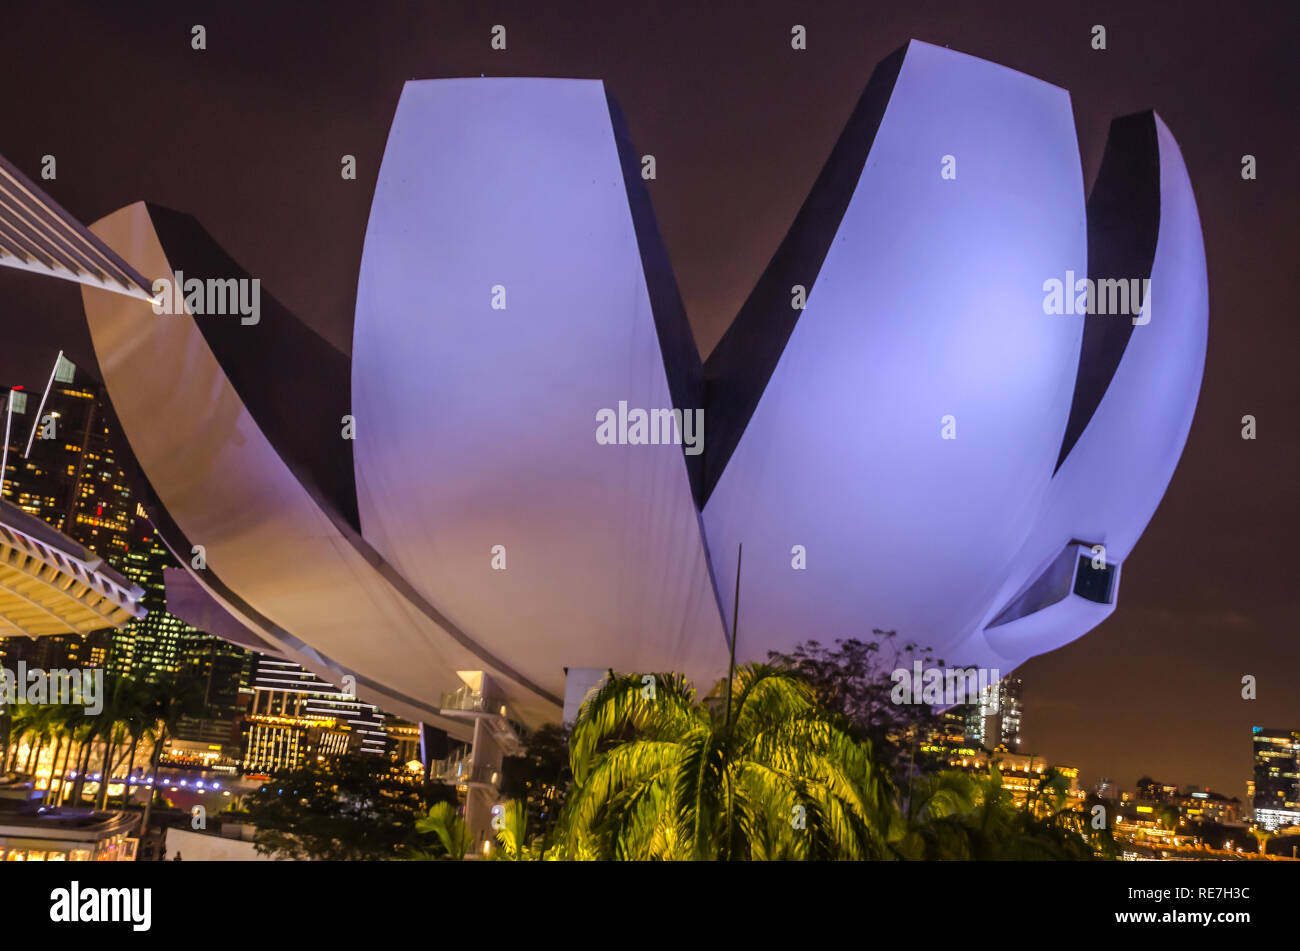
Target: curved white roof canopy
<point>51,585</point>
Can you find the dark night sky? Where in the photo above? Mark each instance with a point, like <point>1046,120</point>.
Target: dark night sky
<point>247,136</point>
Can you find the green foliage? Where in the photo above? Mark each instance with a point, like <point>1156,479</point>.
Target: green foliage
<point>511,825</point>
<point>355,807</point>
<point>453,834</point>
<point>777,776</point>
<point>131,712</point>
<point>660,775</point>
<point>853,684</point>
<point>760,769</point>
<point>540,778</point>
<point>955,815</point>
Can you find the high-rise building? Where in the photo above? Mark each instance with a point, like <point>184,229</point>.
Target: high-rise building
<point>152,646</point>
<point>994,721</point>
<point>67,464</point>
<point>221,672</point>
<point>62,464</point>
<point>1277,777</point>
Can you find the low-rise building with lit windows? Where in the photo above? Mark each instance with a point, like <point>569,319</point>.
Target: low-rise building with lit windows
<point>69,835</point>
<point>1021,772</point>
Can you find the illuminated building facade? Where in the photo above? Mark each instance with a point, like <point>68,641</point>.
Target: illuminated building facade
<point>152,646</point>
<point>1151,790</point>
<point>1206,805</point>
<point>64,463</point>
<point>991,723</point>
<point>994,722</point>
<point>403,739</point>
<point>99,837</point>
<point>1163,814</point>
<point>1021,773</point>
<point>356,543</point>
<point>221,672</point>
<point>67,465</point>
<point>377,555</point>
<point>273,742</point>
<point>294,715</point>
<point>1276,797</point>
<point>1106,788</point>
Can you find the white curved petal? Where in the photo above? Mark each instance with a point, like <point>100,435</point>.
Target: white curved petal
<point>477,426</point>
<point>1110,484</point>
<point>929,304</point>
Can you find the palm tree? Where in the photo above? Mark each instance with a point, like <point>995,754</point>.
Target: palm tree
<point>124,716</point>
<point>450,829</point>
<point>166,703</point>
<point>90,731</point>
<point>114,737</point>
<point>28,728</point>
<point>59,729</point>
<point>41,731</point>
<point>13,725</point>
<point>81,731</point>
<point>71,724</point>
<point>511,824</point>
<point>937,805</point>
<point>756,771</point>
<point>961,816</point>
<point>136,719</point>
<point>22,721</point>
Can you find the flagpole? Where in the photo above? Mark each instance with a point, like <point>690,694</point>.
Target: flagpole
<point>4,456</point>
<point>735,621</point>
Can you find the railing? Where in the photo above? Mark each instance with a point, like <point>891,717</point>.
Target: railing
<point>461,770</point>
<point>474,701</point>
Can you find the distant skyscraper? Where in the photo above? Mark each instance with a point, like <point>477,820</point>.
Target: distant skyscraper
<point>995,720</point>
<point>1277,777</point>
<point>61,464</point>
<point>67,463</point>
<point>223,674</point>
<point>64,462</point>
<point>151,648</point>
